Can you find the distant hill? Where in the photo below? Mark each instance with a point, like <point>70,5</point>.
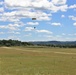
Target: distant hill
<point>54,42</point>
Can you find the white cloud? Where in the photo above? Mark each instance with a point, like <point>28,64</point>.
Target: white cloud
<point>18,3</point>
<point>72,6</point>
<point>32,9</point>
<point>10,27</point>
<point>29,28</point>
<point>3,27</point>
<point>74,24</point>
<point>42,4</point>
<point>44,18</point>
<point>60,5</point>
<point>63,8</point>
<point>32,23</point>
<point>72,17</point>
<point>37,4</point>
<point>9,19</point>
<point>59,2</point>
<point>63,34</point>
<point>13,37</point>
<point>62,16</point>
<point>44,31</point>
<point>13,32</point>
<point>56,24</point>
<point>9,14</point>
<point>17,33</point>
<point>1,9</point>
<point>1,32</point>
<point>17,15</point>
<point>15,25</point>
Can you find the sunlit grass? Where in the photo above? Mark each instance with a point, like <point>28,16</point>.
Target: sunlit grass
<point>37,61</point>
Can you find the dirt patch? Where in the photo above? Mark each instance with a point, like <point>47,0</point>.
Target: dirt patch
<point>6,47</point>
<point>64,53</point>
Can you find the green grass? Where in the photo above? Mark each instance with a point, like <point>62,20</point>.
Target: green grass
<point>37,61</point>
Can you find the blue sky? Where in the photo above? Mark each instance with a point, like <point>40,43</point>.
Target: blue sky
<point>55,20</point>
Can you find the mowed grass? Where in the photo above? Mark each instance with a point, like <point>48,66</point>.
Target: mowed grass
<point>37,61</point>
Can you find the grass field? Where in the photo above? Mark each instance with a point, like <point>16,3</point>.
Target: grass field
<point>37,61</point>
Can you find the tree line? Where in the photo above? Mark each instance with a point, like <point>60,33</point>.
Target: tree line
<point>59,45</point>
<point>13,43</point>
<point>20,43</point>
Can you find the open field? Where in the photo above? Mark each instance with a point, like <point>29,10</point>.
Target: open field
<point>37,61</point>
